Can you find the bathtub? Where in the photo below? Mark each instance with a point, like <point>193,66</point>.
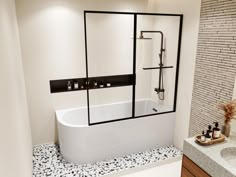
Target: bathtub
<point>80,143</point>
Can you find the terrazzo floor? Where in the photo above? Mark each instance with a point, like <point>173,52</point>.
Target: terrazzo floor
<point>47,161</point>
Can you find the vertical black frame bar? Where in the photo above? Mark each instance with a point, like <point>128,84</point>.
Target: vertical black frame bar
<point>86,63</point>
<point>134,65</point>
<point>178,61</point>
<point>134,62</point>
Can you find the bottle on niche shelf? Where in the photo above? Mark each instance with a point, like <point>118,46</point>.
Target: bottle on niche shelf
<point>101,85</point>
<point>87,83</point>
<point>76,85</point>
<point>95,84</point>
<point>69,86</point>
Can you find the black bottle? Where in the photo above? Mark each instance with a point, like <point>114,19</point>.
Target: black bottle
<point>208,137</point>
<point>209,131</point>
<point>216,130</point>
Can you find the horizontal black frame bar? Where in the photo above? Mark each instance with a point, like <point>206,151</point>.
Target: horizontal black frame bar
<point>130,13</point>
<point>163,67</point>
<point>129,118</point>
<point>90,83</point>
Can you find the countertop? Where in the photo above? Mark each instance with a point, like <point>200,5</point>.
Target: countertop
<point>209,158</point>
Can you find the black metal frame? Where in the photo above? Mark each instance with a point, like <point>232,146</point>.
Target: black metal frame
<point>135,14</point>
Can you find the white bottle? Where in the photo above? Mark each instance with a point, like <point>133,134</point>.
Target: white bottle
<point>76,85</point>
<point>69,85</point>
<point>203,138</point>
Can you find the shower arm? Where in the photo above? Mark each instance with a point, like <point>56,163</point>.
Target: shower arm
<point>162,39</point>
<point>159,89</point>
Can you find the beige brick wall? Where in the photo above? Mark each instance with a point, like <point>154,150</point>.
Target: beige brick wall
<point>215,64</point>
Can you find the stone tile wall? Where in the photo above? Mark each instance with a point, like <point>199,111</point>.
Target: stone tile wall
<point>215,64</point>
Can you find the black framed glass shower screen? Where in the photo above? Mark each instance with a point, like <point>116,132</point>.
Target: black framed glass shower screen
<point>113,48</point>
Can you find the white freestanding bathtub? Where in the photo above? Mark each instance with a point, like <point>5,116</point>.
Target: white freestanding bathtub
<point>80,143</point>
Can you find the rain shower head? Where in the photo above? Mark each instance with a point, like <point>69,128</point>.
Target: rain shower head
<point>142,37</point>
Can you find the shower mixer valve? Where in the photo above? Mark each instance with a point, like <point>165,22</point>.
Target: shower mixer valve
<point>158,90</point>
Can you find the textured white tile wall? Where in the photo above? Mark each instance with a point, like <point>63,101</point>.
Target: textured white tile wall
<point>215,64</point>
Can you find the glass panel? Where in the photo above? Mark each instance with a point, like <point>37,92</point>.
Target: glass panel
<point>110,53</point>
<point>110,104</point>
<point>155,87</point>
<point>110,44</point>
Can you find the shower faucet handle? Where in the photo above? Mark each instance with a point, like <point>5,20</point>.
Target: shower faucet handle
<point>158,90</point>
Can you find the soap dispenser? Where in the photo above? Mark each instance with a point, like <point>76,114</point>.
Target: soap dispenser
<point>76,85</point>
<point>216,130</point>
<point>95,84</point>
<point>69,85</point>
<point>203,137</point>
<point>209,131</point>
<point>208,137</point>
<point>101,85</point>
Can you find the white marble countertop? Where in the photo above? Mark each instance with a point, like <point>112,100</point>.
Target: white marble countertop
<point>209,158</point>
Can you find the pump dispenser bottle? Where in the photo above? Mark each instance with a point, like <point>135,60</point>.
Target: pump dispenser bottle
<point>208,137</point>
<point>216,130</point>
<point>203,137</point>
<point>209,131</point>
<point>69,85</point>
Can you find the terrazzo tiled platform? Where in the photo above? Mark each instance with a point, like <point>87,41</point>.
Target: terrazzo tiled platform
<point>47,161</point>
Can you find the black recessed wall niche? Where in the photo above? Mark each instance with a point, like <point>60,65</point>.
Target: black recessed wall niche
<point>120,80</point>
<point>80,84</point>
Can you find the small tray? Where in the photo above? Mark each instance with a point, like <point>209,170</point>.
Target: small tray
<point>213,141</point>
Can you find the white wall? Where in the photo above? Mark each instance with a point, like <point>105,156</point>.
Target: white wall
<point>110,52</point>
<point>52,38</point>
<point>191,11</point>
<point>144,49</point>
<point>15,136</point>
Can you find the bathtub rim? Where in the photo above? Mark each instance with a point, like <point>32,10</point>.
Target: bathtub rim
<point>60,113</point>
